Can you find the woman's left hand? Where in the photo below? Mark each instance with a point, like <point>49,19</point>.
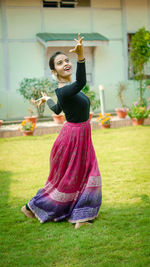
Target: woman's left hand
<point>41,100</point>
<point>78,48</point>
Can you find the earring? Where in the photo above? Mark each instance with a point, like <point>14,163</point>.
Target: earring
<point>54,77</point>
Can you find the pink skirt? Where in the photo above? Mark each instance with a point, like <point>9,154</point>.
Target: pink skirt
<point>73,188</point>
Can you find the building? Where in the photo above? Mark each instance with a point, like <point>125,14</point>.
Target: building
<point>24,51</point>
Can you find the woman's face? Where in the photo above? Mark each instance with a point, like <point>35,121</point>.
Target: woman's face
<point>63,66</point>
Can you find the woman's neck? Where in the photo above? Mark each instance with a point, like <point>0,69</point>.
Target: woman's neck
<point>62,82</point>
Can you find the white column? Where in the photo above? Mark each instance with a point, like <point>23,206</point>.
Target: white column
<point>125,39</point>
<point>102,98</point>
<point>5,45</point>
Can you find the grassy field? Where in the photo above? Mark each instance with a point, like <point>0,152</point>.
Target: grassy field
<point>120,234</point>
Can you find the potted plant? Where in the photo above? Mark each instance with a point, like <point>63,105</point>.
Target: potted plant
<point>31,117</point>
<point>31,89</point>
<point>121,112</point>
<point>27,127</point>
<point>138,112</point>
<point>104,120</point>
<point>59,119</point>
<point>95,103</point>
<point>1,121</point>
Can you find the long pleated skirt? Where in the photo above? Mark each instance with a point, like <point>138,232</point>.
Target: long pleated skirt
<point>73,189</point>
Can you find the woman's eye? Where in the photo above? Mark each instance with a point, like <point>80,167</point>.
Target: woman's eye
<point>59,62</point>
<point>67,60</point>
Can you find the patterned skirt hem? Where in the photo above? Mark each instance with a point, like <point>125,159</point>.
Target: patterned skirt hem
<point>71,221</point>
<point>83,220</point>
<point>35,213</point>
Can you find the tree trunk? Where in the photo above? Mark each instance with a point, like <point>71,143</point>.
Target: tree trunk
<point>141,88</point>
<point>40,110</point>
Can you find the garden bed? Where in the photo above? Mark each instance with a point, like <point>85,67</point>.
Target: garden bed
<point>49,127</point>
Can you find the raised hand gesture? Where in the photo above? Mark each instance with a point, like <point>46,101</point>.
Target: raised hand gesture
<point>78,48</point>
<point>41,100</point>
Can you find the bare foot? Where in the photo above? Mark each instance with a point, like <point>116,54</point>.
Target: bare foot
<point>27,213</point>
<point>79,224</point>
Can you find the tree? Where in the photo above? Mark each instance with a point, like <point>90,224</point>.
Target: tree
<point>31,88</point>
<point>140,55</point>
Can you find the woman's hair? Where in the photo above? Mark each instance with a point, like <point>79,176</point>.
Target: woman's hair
<point>52,58</point>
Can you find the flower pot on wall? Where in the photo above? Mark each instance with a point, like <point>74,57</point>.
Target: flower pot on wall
<point>121,113</point>
<point>1,121</point>
<point>105,126</point>
<point>27,133</point>
<point>59,119</point>
<point>136,122</point>
<point>90,115</point>
<point>33,119</point>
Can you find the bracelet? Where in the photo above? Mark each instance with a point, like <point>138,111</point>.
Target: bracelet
<point>81,61</point>
<point>47,97</point>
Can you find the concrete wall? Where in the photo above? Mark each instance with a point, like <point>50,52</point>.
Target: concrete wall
<point>22,56</point>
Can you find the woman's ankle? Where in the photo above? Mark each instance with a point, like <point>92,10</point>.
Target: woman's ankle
<point>27,207</point>
<point>79,224</point>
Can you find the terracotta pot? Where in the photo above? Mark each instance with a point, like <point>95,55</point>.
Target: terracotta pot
<point>59,119</point>
<point>136,122</point>
<point>120,113</point>
<point>27,133</point>
<point>105,126</point>
<point>33,119</point>
<point>1,121</point>
<point>90,115</point>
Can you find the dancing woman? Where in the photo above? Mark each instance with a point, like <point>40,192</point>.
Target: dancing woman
<point>73,188</point>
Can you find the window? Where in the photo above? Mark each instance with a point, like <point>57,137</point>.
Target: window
<point>66,3</point>
<point>83,3</point>
<point>60,3</point>
<point>50,4</point>
<point>130,66</point>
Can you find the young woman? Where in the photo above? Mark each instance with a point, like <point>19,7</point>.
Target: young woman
<point>73,188</point>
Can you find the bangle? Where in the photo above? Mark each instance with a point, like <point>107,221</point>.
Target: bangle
<point>47,97</point>
<point>81,61</point>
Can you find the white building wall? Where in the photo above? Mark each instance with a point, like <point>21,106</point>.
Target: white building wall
<point>22,56</point>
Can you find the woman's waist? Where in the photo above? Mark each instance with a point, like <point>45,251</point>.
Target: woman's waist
<point>77,124</point>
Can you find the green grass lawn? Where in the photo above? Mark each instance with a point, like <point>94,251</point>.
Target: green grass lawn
<point>120,234</point>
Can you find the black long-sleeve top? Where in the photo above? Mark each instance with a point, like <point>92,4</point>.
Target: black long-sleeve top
<point>75,104</point>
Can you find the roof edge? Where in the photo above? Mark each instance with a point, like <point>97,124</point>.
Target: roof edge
<point>47,37</point>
